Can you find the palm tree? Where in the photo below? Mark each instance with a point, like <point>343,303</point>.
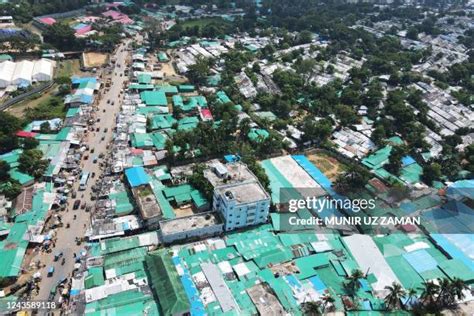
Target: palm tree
<point>411,294</point>
<point>430,291</point>
<point>445,296</point>
<point>354,279</point>
<point>457,288</point>
<point>328,300</point>
<point>311,308</point>
<point>393,297</point>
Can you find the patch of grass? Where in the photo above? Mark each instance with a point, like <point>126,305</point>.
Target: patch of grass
<point>145,192</point>
<point>18,109</point>
<point>203,22</point>
<point>68,68</point>
<point>52,107</point>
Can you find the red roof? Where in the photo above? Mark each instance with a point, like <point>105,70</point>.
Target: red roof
<point>26,134</point>
<point>408,228</point>
<point>136,151</point>
<point>118,16</point>
<point>206,114</point>
<point>48,20</point>
<point>112,14</point>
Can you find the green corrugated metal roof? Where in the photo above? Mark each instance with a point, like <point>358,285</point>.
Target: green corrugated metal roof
<point>21,177</point>
<point>126,257</point>
<point>198,199</point>
<point>379,158</point>
<point>71,112</point>
<point>137,86</point>
<point>165,205</point>
<point>178,100</point>
<point>308,265</point>
<point>411,173</point>
<point>4,57</point>
<point>186,88</point>
<point>94,278</point>
<point>187,123</point>
<point>222,97</point>
<point>12,250</point>
<point>456,268</point>
<point>166,283</point>
<point>162,57</point>
<point>140,140</point>
<point>213,80</point>
<point>152,109</point>
<point>258,134</point>
<point>162,121</point>
<point>159,140</point>
<point>154,98</point>
<point>167,89</point>
<point>117,244</point>
<point>273,256</point>
<point>144,78</point>
<point>131,302</point>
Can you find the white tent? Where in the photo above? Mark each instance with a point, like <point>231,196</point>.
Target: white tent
<point>7,68</point>
<point>23,72</point>
<point>43,70</point>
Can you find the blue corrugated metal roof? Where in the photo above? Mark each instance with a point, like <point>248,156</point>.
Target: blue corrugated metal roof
<point>136,176</point>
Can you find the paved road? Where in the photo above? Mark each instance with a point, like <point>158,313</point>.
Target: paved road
<point>66,237</point>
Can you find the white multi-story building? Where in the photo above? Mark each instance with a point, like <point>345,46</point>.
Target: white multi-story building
<point>238,196</point>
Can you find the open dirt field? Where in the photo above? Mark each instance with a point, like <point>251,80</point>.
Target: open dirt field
<point>92,59</point>
<point>168,69</point>
<point>330,166</point>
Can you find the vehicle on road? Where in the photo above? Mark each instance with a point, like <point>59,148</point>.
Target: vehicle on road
<point>57,256</point>
<point>84,180</point>
<point>76,205</point>
<point>86,157</point>
<point>103,137</point>
<point>83,206</point>
<point>94,160</point>
<point>105,130</point>
<point>108,101</point>
<point>93,175</point>
<point>92,150</point>
<point>50,271</point>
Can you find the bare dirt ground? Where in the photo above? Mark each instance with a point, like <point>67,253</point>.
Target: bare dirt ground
<point>330,166</point>
<point>182,212</point>
<point>92,59</point>
<point>168,69</point>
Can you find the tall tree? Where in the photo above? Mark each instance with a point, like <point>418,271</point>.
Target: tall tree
<point>395,293</point>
